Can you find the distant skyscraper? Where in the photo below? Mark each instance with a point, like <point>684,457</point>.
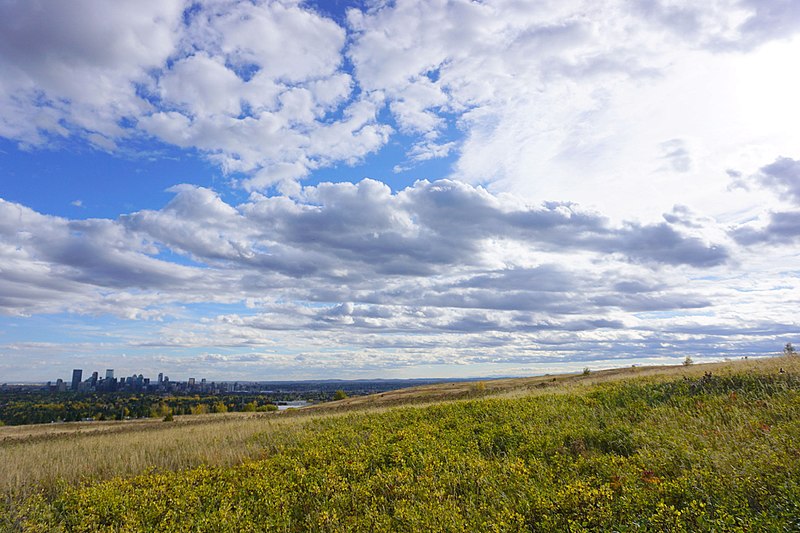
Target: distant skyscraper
<point>76,378</point>
<point>94,379</point>
<point>109,373</point>
<point>160,377</point>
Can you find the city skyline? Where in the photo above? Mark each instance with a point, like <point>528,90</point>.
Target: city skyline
<point>132,383</point>
<point>366,189</point>
<point>164,386</point>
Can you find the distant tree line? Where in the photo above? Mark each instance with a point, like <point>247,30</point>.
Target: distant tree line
<point>36,405</point>
<point>42,407</point>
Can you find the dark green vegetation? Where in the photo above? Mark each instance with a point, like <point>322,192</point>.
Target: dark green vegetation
<point>44,407</point>
<point>695,453</point>
<point>22,405</point>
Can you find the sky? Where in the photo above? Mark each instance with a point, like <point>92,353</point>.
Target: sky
<point>262,190</point>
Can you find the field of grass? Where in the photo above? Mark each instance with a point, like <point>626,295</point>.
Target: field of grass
<point>697,448</point>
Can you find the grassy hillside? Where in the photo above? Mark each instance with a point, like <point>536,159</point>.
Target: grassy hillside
<point>699,448</point>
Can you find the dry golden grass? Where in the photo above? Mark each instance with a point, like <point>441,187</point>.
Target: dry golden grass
<point>33,457</point>
<point>514,387</point>
<point>38,457</point>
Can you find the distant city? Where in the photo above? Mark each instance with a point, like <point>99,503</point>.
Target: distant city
<point>106,397</point>
<point>139,383</point>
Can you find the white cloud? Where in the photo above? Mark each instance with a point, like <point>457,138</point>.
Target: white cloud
<point>51,264</point>
<point>201,85</point>
<point>776,226</point>
<point>783,176</point>
<point>604,135</point>
<point>361,234</point>
<point>555,100</point>
<point>258,35</point>
<point>578,100</point>
<point>74,67</point>
<point>258,87</point>
<point>438,273</point>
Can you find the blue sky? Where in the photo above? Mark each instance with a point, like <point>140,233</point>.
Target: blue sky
<point>290,190</point>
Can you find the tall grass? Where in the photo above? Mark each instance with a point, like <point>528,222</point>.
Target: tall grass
<point>629,450</point>
<point>42,461</point>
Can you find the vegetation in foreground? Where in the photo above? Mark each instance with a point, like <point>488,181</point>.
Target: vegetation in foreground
<point>701,452</point>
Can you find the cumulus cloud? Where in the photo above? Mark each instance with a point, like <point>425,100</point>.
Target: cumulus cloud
<point>51,52</point>
<point>440,273</point>
<point>260,107</point>
<point>782,177</point>
<point>437,244</point>
<point>582,101</point>
<point>423,229</point>
<point>582,215</point>
<point>217,76</point>
<point>273,90</point>
<point>724,25</point>
<point>780,228</point>
<point>51,264</point>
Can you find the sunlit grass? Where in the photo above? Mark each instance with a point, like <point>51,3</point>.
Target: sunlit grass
<point>629,449</point>
<point>41,460</point>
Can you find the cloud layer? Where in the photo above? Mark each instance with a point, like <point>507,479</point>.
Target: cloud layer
<point>622,181</point>
<point>535,88</point>
<point>218,78</point>
<point>348,239</point>
<point>440,269</point>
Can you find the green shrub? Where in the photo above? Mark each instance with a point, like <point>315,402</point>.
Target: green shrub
<point>339,395</point>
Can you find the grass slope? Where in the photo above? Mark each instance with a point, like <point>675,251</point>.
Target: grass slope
<point>673,449</point>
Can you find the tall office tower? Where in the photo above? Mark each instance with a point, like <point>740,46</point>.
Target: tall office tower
<point>109,373</point>
<point>160,377</point>
<point>94,379</point>
<point>76,378</point>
